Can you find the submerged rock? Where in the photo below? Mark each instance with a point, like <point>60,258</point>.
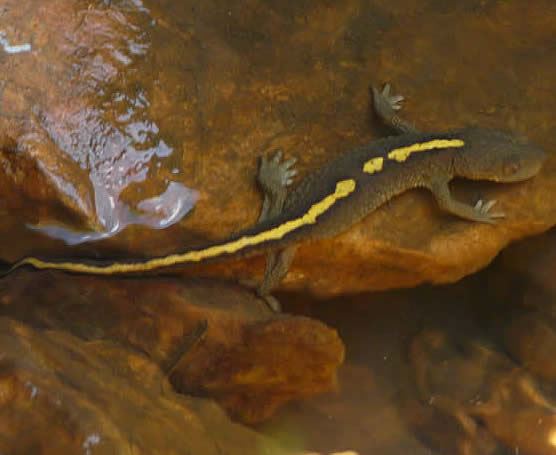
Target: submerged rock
<point>248,358</point>
<point>60,394</point>
<point>475,400</point>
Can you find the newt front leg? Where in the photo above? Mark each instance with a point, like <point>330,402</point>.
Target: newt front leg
<point>274,177</point>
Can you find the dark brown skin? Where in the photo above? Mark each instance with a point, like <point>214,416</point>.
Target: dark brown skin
<point>313,209</point>
<point>488,154</point>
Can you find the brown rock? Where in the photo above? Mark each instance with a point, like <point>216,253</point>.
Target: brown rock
<point>81,122</point>
<point>524,280</point>
<point>363,415</point>
<point>265,365</point>
<point>487,399</point>
<point>372,410</point>
<point>531,339</point>
<point>250,360</point>
<point>62,395</point>
<point>216,91</point>
<point>532,263</point>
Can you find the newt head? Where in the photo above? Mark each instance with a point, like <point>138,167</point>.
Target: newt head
<point>498,156</point>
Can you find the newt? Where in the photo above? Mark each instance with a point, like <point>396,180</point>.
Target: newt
<point>329,200</point>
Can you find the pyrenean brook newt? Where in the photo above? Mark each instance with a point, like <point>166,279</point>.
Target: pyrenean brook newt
<point>331,199</point>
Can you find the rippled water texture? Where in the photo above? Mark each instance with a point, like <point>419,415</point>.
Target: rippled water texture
<point>96,113</point>
<point>11,48</point>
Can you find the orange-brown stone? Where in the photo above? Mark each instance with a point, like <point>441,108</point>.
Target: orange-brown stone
<point>61,394</point>
<point>250,359</point>
<point>221,85</point>
<point>263,366</point>
<point>525,280</point>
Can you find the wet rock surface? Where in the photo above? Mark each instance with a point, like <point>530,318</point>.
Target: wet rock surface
<point>127,112</point>
<point>122,112</point>
<point>271,363</point>
<point>485,399</point>
<point>496,384</point>
<point>62,394</point>
<point>459,369</point>
<point>247,358</point>
<point>530,328</point>
<point>80,121</point>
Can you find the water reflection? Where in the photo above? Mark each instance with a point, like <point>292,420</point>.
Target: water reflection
<point>159,212</point>
<point>10,48</point>
<point>108,129</point>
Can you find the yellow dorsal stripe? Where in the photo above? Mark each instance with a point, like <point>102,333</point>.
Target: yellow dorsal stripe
<point>402,153</point>
<point>373,165</point>
<point>343,189</point>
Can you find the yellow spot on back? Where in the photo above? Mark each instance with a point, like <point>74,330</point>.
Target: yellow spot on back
<point>401,154</point>
<point>373,165</point>
<point>343,189</point>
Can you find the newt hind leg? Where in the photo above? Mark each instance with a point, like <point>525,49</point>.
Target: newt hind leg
<point>277,266</point>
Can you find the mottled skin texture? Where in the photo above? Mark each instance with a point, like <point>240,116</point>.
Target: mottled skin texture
<point>484,154</point>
